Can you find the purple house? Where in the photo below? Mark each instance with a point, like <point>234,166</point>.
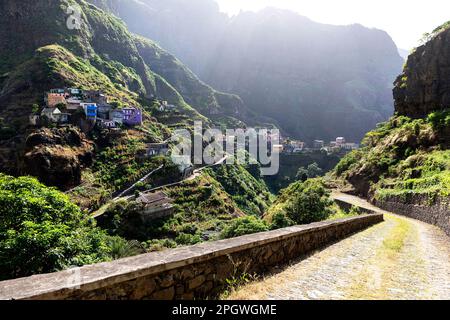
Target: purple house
<point>132,116</point>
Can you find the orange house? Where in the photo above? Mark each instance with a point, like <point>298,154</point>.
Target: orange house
<point>53,99</point>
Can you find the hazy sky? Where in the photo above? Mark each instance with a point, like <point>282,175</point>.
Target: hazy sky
<point>405,20</point>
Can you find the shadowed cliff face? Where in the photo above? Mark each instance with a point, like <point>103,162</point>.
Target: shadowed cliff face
<point>57,156</point>
<point>424,85</point>
<point>315,80</point>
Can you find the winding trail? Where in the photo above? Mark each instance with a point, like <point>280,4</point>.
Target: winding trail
<point>398,259</point>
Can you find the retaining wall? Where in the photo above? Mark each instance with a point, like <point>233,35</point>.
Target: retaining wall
<point>420,208</point>
<point>185,273</point>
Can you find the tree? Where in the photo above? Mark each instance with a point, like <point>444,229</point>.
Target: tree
<point>310,203</point>
<point>302,174</point>
<point>312,171</point>
<point>42,231</point>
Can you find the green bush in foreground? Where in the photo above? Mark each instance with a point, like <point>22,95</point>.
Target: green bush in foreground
<point>42,231</point>
<point>309,203</point>
<point>243,226</point>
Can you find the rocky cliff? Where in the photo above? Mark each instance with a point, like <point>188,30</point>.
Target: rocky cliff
<point>57,156</point>
<point>424,85</point>
<point>405,163</point>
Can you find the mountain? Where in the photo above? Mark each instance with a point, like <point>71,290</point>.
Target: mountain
<point>405,164</point>
<point>40,52</point>
<point>154,71</point>
<point>315,80</point>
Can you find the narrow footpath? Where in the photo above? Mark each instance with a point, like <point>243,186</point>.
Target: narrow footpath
<point>400,258</point>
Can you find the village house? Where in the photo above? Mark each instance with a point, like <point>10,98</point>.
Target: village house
<point>90,109</point>
<point>298,146</point>
<point>58,91</point>
<point>74,92</point>
<point>164,106</point>
<point>155,206</point>
<point>106,124</point>
<point>95,96</point>
<point>73,103</point>
<point>318,144</point>
<point>350,146</point>
<point>116,115</point>
<point>55,115</point>
<point>104,111</point>
<point>277,148</point>
<point>132,116</point>
<point>156,149</point>
<point>54,99</point>
<point>340,141</point>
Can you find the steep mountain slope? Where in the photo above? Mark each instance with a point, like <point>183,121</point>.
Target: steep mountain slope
<point>154,71</point>
<point>284,66</point>
<point>103,55</point>
<point>405,164</point>
<point>40,52</point>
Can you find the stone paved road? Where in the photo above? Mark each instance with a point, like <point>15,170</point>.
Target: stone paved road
<point>400,258</point>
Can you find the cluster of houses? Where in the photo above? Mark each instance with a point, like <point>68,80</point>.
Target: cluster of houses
<point>339,145</point>
<point>288,146</point>
<point>62,104</point>
<point>164,106</point>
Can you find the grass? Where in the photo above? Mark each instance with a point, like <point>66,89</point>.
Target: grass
<point>403,158</point>
<point>395,242</point>
<point>375,281</point>
<point>341,214</point>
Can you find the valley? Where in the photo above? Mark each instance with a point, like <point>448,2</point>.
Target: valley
<point>100,149</point>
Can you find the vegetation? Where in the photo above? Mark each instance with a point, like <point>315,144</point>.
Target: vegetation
<point>301,203</point>
<point>311,172</point>
<point>295,167</point>
<point>403,158</point>
<point>310,203</point>
<point>244,226</point>
<point>249,193</point>
<point>42,231</point>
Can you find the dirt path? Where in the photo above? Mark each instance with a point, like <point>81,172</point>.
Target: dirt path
<point>400,258</point>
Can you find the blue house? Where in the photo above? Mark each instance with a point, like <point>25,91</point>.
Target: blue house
<point>90,109</point>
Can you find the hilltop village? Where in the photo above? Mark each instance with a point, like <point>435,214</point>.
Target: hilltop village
<point>87,109</point>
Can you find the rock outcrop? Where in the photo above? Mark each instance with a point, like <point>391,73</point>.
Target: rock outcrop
<point>424,85</point>
<point>57,156</point>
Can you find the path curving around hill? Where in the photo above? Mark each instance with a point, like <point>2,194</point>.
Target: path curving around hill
<point>398,259</point>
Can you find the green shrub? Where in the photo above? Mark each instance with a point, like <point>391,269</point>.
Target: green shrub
<point>440,119</point>
<point>42,231</point>
<point>188,239</point>
<point>310,203</point>
<point>280,220</point>
<point>346,162</point>
<point>121,248</point>
<point>243,226</point>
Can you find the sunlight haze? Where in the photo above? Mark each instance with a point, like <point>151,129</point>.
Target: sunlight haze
<point>405,20</point>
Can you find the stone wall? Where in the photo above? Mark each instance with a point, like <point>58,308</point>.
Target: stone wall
<point>419,207</point>
<point>348,206</point>
<point>186,273</point>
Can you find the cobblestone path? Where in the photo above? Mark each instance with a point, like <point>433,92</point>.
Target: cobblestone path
<point>400,258</point>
